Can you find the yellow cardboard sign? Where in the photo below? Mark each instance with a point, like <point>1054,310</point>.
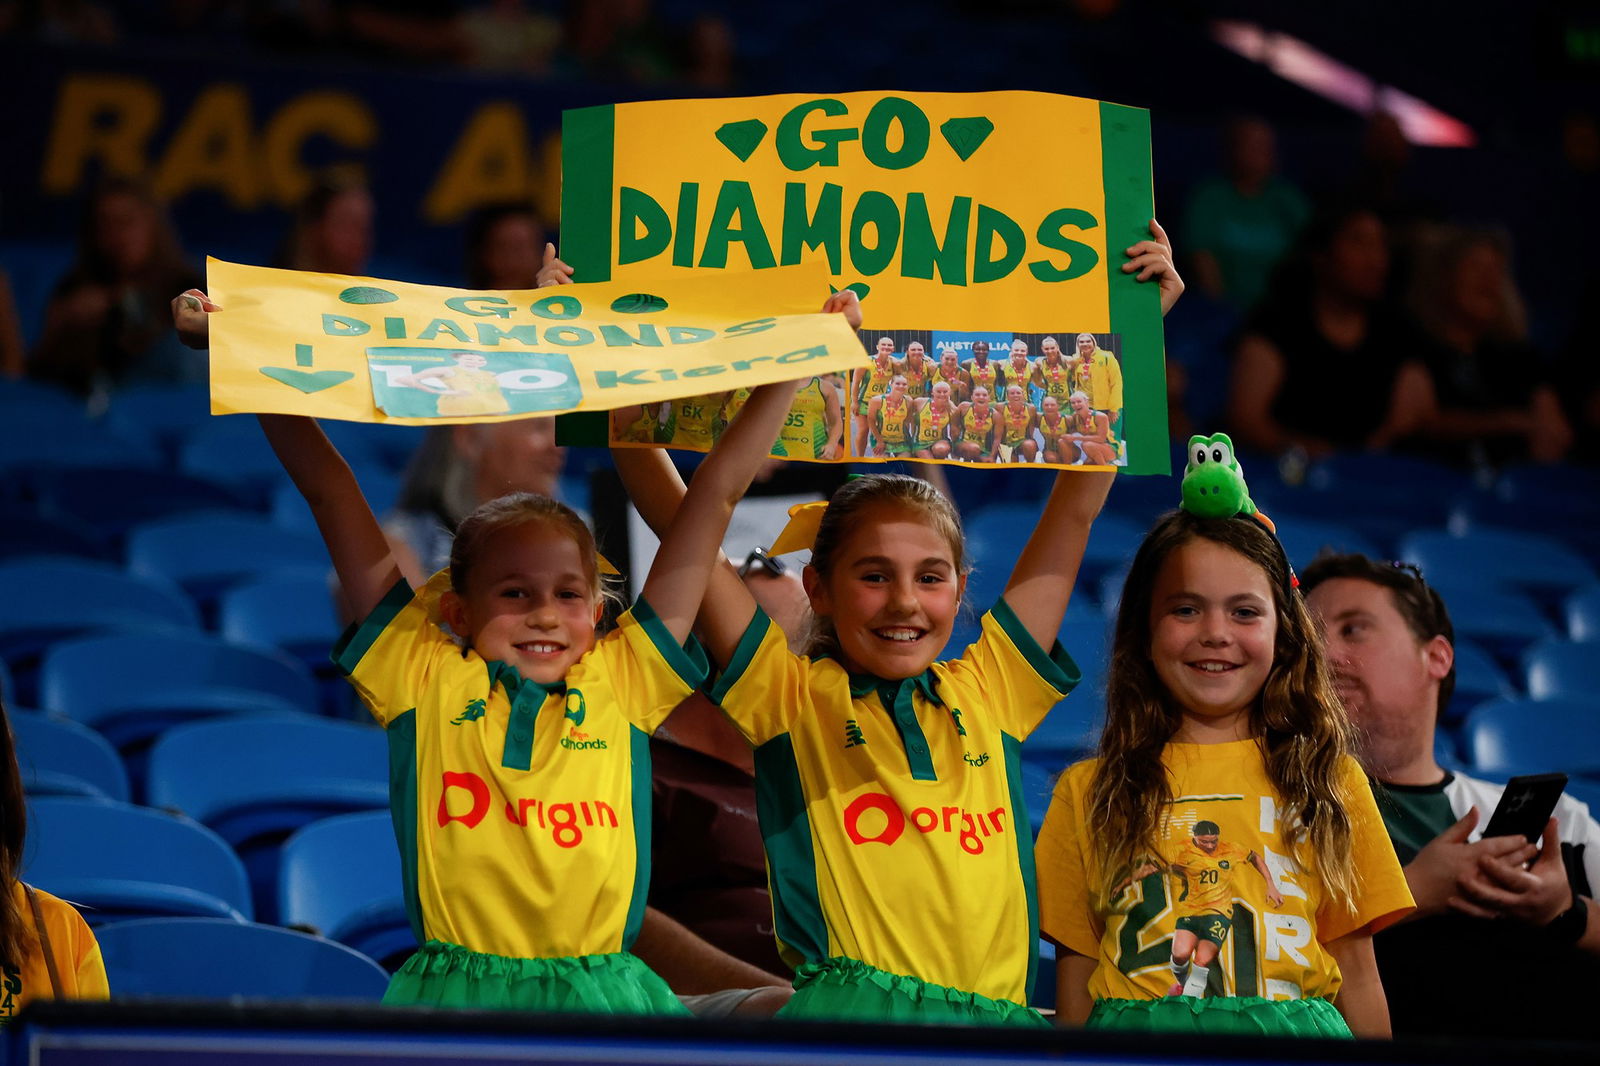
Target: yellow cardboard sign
<point>984,233</point>
<point>371,350</point>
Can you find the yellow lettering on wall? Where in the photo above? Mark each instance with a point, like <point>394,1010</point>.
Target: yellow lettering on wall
<point>104,118</point>
<point>214,148</point>
<point>340,117</point>
<point>490,163</point>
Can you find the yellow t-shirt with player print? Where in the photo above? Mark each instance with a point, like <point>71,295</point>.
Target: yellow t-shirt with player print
<point>1275,952</point>
<point>1207,877</point>
<point>522,811</point>
<point>892,811</point>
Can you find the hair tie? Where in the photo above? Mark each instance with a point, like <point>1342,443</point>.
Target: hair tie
<point>801,531</point>
<point>1214,487</point>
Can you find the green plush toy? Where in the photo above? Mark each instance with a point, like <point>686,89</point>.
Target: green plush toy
<point>1213,482</point>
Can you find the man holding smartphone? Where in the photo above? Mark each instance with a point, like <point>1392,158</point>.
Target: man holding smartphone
<point>1505,935</point>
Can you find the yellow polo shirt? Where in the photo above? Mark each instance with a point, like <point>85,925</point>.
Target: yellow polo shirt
<point>892,811</point>
<point>522,811</point>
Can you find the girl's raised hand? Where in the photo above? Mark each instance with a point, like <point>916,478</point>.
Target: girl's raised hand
<point>1153,259</point>
<point>847,303</point>
<point>554,271</point>
<point>189,312</point>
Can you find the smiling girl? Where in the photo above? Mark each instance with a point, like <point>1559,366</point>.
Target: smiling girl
<point>519,766</point>
<point>888,781</point>
<point>1224,747</point>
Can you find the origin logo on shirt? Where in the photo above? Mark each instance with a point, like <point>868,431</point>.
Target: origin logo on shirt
<point>875,818</point>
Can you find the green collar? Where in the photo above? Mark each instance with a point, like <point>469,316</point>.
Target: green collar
<point>526,698</point>
<point>898,700</point>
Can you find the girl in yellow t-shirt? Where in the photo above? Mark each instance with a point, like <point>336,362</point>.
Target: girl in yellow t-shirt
<point>30,919</point>
<point>1221,866</point>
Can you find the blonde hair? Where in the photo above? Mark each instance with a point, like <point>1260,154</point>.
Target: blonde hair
<point>1297,718</point>
<point>844,512</point>
<point>526,509</point>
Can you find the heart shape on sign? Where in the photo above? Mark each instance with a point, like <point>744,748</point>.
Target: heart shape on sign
<point>307,380</point>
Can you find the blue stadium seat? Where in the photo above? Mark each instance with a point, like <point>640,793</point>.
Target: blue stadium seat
<point>1561,669</point>
<point>1044,981</point>
<point>205,554</point>
<point>996,535</point>
<point>211,958</point>
<point>1519,736</point>
<point>7,692</point>
<point>289,509</point>
<point>1304,539</point>
<point>1478,678</point>
<point>282,772</point>
<point>1583,614</point>
<point>131,687</point>
<point>118,861</point>
<point>26,398</point>
<point>234,451</point>
<point>59,757</point>
<point>1586,790</point>
<point>387,446</point>
<point>162,413</point>
<point>110,500</point>
<point>50,598</point>
<point>341,878</point>
<point>35,444</point>
<point>24,531</point>
<point>1528,562</point>
<point>1502,623</point>
<point>295,613</point>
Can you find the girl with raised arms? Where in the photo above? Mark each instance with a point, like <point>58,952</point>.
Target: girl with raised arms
<point>1221,865</point>
<point>520,779</point>
<point>888,782</point>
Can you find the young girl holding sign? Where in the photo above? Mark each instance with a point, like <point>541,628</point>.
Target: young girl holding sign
<point>1221,866</point>
<point>888,782</point>
<point>519,766</point>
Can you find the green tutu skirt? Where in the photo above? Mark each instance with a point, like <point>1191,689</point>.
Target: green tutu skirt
<point>449,975</point>
<point>1223,1014</point>
<point>843,989</point>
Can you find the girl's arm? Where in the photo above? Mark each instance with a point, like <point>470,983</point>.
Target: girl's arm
<point>692,540</point>
<point>695,522</point>
<point>1041,582</point>
<point>1073,1002</point>
<point>360,552</point>
<point>1361,998</point>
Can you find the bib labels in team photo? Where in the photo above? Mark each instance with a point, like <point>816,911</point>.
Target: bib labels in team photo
<point>370,350</point>
<point>967,224</point>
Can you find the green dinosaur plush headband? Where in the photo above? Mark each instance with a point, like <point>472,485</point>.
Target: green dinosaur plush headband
<point>1213,487</point>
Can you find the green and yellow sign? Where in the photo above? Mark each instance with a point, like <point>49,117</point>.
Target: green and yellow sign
<point>983,232</point>
<point>370,350</point>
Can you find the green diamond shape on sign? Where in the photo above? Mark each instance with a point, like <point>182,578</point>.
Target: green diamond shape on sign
<point>966,135</point>
<point>742,138</point>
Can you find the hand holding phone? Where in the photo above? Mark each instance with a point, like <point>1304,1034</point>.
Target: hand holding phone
<point>1526,805</point>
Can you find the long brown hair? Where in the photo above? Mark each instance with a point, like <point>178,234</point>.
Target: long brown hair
<point>15,934</point>
<point>844,511</point>
<point>1297,718</point>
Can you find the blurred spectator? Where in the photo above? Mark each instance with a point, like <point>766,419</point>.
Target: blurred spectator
<point>508,36</point>
<point>1491,401</point>
<point>620,40</point>
<point>108,321</point>
<point>1240,223</point>
<point>60,21</point>
<point>457,468</point>
<point>411,31</point>
<point>1323,363</point>
<point>332,231</point>
<point>1385,180</point>
<point>711,54</point>
<point>1498,923</point>
<point>505,247</point>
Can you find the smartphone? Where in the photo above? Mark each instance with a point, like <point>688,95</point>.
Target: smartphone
<point>1526,805</point>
